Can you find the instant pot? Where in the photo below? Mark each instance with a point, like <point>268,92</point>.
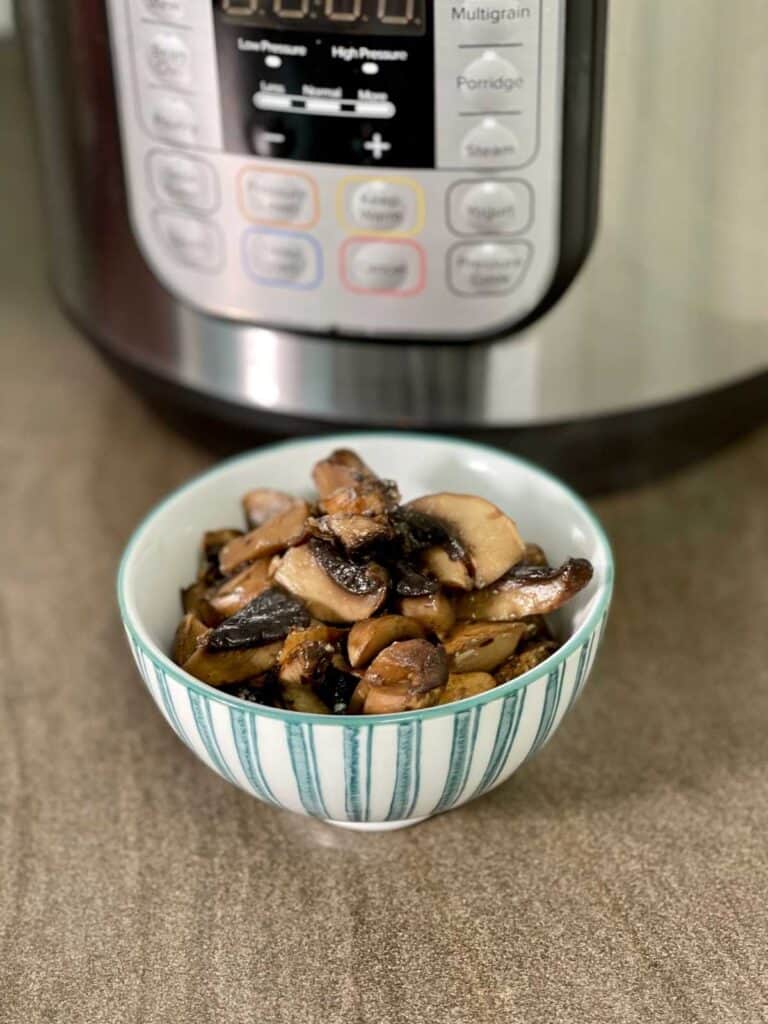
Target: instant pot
<point>298,213</point>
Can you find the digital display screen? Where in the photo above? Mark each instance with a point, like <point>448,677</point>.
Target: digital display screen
<point>375,17</point>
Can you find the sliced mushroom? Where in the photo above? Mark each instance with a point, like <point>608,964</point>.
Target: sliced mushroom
<point>450,572</point>
<point>264,504</point>
<point>527,590</point>
<point>356,577</point>
<point>482,646</point>
<point>209,572</point>
<point>489,537</point>
<point>195,601</point>
<point>336,689</point>
<point>285,530</point>
<point>302,575</point>
<point>354,533</point>
<point>530,656</point>
<point>240,590</point>
<point>270,616</point>
<point>190,635</point>
<point>406,676</point>
<point>342,468</point>
<point>461,685</point>
<point>369,638</point>
<point>534,555</point>
<point>263,689</point>
<point>307,654</point>
<point>232,666</point>
<point>302,698</point>
<point>434,612</point>
<point>358,698</point>
<point>410,583</point>
<point>369,497</point>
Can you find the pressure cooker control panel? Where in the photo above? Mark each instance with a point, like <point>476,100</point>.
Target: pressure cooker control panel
<point>360,167</point>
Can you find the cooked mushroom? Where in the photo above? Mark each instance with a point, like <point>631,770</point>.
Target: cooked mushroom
<point>189,636</point>
<point>307,654</point>
<point>406,676</point>
<point>342,468</point>
<point>232,666</point>
<point>355,533</point>
<point>195,601</point>
<point>369,497</point>
<point>450,572</point>
<point>286,529</point>
<point>482,646</point>
<point>302,698</point>
<point>434,612</point>
<point>263,689</point>
<point>461,685</point>
<point>358,698</point>
<point>270,616</point>
<point>534,555</point>
<point>336,689</point>
<point>264,504</point>
<point>528,657</point>
<point>488,536</point>
<point>369,638</point>
<point>236,592</point>
<point>527,590</point>
<point>302,575</point>
<point>356,577</point>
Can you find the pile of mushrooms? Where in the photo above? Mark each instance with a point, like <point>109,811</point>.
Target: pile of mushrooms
<point>358,604</point>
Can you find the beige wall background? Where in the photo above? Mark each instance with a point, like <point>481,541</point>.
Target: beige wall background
<point>6,18</point>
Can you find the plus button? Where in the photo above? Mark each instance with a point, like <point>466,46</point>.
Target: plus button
<point>377,146</point>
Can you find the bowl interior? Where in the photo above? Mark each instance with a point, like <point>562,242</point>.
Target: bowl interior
<point>162,555</point>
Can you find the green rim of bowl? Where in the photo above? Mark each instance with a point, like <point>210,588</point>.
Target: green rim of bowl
<point>573,643</point>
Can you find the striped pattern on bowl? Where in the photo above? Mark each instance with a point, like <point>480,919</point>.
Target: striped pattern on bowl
<point>373,770</point>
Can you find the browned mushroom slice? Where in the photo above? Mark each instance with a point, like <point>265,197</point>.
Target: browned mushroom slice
<point>296,697</point>
<point>369,497</point>
<point>434,612</point>
<point>302,575</point>
<point>487,535</point>
<point>450,572</point>
<point>241,589</point>
<point>534,555</point>
<point>482,646</point>
<point>191,633</point>
<point>232,666</point>
<point>285,530</point>
<point>358,698</point>
<point>369,638</point>
<point>307,654</point>
<point>354,533</point>
<point>461,685</point>
<point>342,468</point>
<point>195,601</point>
<point>270,616</point>
<point>531,655</point>
<point>405,677</point>
<point>527,590</point>
<point>264,504</point>
<point>356,577</point>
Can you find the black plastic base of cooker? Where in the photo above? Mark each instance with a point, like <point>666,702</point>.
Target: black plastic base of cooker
<point>596,456</point>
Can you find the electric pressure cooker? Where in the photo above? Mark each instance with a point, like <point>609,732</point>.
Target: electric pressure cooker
<point>298,213</point>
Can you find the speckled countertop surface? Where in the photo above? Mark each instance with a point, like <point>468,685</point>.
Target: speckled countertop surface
<point>621,877</point>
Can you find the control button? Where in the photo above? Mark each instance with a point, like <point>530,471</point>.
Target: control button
<point>174,119</point>
<point>384,268</point>
<point>490,207</point>
<point>169,58</point>
<point>282,259</point>
<point>166,10</point>
<point>383,205</point>
<point>377,146</point>
<point>272,138</point>
<point>490,83</point>
<point>193,242</point>
<point>490,268</point>
<point>490,144</point>
<point>494,21</point>
<point>185,180</point>
<point>279,198</point>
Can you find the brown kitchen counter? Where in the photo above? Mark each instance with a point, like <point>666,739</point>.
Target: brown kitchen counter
<point>620,877</point>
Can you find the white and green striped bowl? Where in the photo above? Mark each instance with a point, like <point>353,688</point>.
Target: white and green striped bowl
<point>376,772</point>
